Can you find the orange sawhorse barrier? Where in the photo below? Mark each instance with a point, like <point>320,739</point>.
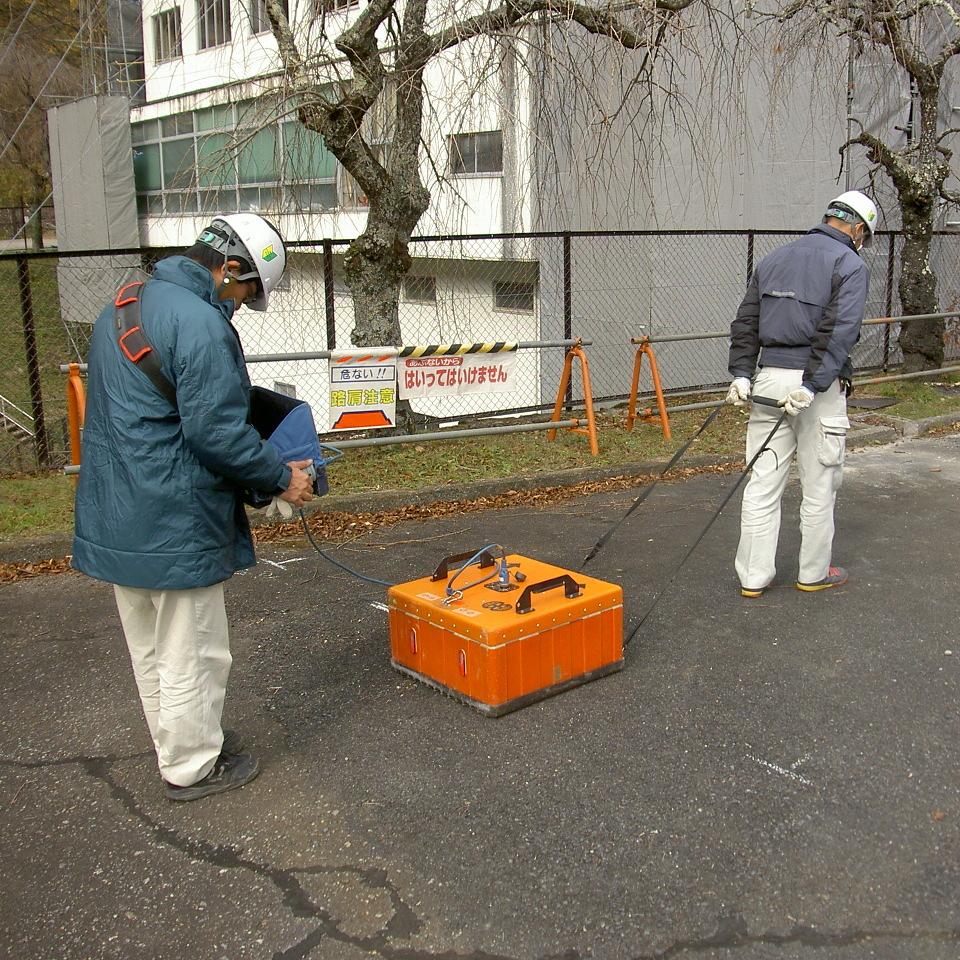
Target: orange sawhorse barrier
<point>591,428</point>
<point>76,410</point>
<point>647,415</point>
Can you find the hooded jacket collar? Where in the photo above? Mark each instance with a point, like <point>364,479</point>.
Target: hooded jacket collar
<point>835,234</point>
<point>190,275</point>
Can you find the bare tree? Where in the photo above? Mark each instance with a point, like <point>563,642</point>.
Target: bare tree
<point>921,38</point>
<point>387,51</point>
<point>39,62</point>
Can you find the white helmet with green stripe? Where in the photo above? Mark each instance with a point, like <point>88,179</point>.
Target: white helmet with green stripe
<point>256,244</point>
<point>853,206</point>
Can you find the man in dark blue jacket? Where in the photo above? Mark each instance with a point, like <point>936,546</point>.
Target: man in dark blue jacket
<point>798,322</point>
<point>159,506</point>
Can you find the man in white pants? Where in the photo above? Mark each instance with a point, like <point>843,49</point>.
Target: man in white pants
<point>168,453</point>
<point>798,322</point>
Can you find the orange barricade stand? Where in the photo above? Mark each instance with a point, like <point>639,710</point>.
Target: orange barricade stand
<point>591,428</point>
<point>76,409</point>
<point>647,415</point>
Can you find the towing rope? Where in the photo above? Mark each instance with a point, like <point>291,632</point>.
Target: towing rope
<point>710,522</point>
<point>643,496</point>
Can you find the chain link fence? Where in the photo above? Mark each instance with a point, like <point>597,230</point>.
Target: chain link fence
<point>19,226</point>
<point>605,288</point>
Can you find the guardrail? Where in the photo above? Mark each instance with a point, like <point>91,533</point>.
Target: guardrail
<point>16,423</point>
<point>574,348</point>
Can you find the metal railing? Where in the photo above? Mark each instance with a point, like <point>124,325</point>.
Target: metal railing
<point>14,418</point>
<point>605,287</point>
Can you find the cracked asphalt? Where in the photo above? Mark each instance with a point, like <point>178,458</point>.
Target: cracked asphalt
<point>772,778</point>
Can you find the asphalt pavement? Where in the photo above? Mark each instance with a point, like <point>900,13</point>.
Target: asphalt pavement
<point>770,778</point>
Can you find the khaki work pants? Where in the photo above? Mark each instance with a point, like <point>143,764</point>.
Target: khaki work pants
<point>817,436</point>
<point>180,650</point>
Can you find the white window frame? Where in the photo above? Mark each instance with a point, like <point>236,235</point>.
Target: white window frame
<point>465,163</point>
<point>167,35</point>
<point>213,23</point>
<point>499,293</point>
<point>427,292</point>
<point>259,21</point>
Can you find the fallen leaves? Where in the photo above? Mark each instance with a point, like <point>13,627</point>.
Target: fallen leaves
<point>14,572</point>
<point>338,527</point>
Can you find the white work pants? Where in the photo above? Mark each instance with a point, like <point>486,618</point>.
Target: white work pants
<point>817,436</point>
<point>180,649</point>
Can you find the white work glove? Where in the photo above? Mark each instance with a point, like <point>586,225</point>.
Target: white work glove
<point>277,505</point>
<point>739,392</point>
<point>794,402</point>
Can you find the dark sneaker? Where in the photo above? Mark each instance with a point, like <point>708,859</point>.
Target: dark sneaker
<point>232,743</point>
<point>228,772</point>
<point>836,577</point>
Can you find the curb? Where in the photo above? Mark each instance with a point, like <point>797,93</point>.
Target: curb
<point>917,428</point>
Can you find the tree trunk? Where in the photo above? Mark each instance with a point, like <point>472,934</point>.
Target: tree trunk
<point>920,340</point>
<point>374,268</point>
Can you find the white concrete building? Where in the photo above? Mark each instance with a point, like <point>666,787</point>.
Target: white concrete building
<point>528,135</point>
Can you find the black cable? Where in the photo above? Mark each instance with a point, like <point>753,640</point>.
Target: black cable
<point>336,563</point>
<point>643,496</point>
<point>710,522</point>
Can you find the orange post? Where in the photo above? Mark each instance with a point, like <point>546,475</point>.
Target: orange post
<point>76,410</point>
<point>647,415</point>
<point>591,428</point>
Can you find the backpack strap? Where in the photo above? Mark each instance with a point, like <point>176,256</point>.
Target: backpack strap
<point>134,343</point>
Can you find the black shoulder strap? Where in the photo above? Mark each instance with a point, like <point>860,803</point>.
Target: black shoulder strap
<point>134,343</point>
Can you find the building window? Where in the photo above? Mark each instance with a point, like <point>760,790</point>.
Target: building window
<point>214,17</point>
<point>476,153</point>
<point>259,21</point>
<point>516,297</point>
<point>287,389</point>
<point>378,127</point>
<point>420,289</point>
<point>167,44</point>
<point>334,6</point>
<point>230,157</point>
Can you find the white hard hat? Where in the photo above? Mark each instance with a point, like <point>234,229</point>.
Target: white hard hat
<point>852,207</point>
<point>251,239</point>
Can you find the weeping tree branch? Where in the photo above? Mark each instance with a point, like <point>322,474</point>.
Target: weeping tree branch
<point>600,22</point>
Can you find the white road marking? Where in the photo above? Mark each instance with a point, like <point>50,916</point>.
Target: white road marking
<point>790,774</point>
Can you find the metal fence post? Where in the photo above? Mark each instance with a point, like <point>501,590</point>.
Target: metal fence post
<point>328,295</point>
<point>751,239</point>
<point>33,365</point>
<point>567,305</point>
<point>889,301</point>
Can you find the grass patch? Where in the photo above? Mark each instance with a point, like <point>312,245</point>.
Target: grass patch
<point>528,454</point>
<point>32,506</point>
<point>43,504</point>
<point>917,399</point>
<point>35,506</point>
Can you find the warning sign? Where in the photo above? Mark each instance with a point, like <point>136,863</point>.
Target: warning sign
<point>363,389</point>
<point>444,376</point>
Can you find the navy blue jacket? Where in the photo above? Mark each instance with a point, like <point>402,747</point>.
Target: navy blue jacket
<point>160,498</point>
<point>803,309</point>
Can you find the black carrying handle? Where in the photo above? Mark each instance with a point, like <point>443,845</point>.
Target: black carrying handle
<point>570,586</point>
<point>485,559</point>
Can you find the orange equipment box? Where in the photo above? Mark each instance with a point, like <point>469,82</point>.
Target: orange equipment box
<point>531,630</point>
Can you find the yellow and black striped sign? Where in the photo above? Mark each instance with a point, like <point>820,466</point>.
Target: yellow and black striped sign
<point>456,349</point>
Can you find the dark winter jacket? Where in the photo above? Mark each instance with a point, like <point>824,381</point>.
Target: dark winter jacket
<point>803,306</point>
<point>159,501</point>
